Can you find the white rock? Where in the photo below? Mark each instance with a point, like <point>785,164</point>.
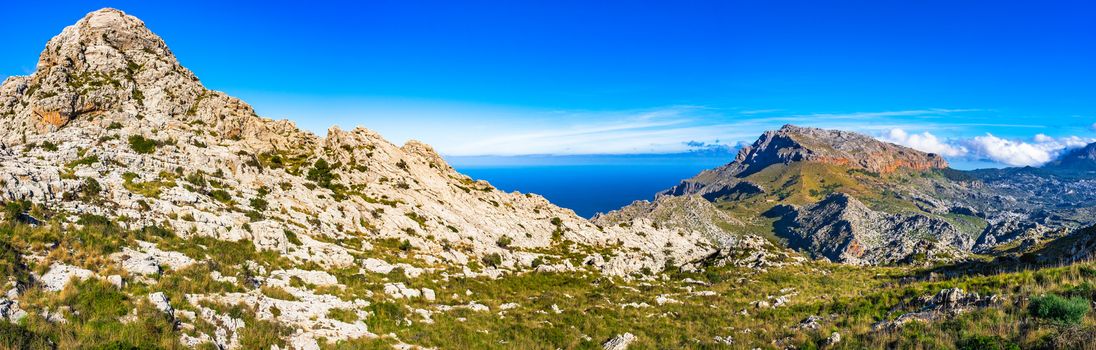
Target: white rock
<point>428,294</point>
<point>619,342</point>
<point>141,265</point>
<point>159,300</point>
<point>116,281</point>
<point>317,278</point>
<point>663,299</point>
<point>474,306</point>
<point>834,338</point>
<point>60,274</point>
<point>10,310</point>
<point>400,291</point>
<point>377,266</point>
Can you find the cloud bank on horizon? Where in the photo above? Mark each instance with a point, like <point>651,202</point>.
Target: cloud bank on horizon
<point>964,135</point>
<point>1039,150</point>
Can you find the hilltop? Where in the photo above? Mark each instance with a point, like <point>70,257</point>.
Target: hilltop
<point>111,129</point>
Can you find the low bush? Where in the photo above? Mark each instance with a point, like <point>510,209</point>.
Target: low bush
<point>344,315</point>
<point>492,260</point>
<point>142,145</point>
<point>1059,310</point>
<point>504,241</point>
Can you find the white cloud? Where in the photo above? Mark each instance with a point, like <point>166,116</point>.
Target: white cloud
<point>925,142</point>
<point>1039,150</point>
<point>1010,152</point>
<point>1093,126</point>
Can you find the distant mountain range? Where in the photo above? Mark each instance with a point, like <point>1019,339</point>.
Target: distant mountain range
<point>853,199</point>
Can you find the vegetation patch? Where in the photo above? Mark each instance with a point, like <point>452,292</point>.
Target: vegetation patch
<point>142,145</point>
<point>1059,310</point>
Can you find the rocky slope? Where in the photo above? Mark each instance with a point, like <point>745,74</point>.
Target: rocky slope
<point>109,103</point>
<point>853,199</point>
<point>110,127</point>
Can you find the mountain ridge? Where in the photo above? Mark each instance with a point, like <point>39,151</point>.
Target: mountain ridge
<point>112,130</point>
<point>854,199</point>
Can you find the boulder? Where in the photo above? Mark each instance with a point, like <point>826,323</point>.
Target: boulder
<point>60,274</point>
<point>619,342</point>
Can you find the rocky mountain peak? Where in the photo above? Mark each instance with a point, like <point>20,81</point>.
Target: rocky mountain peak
<point>95,43</point>
<point>108,64</point>
<point>112,124</point>
<point>795,143</point>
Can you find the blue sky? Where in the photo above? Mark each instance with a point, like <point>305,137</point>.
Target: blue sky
<point>983,82</point>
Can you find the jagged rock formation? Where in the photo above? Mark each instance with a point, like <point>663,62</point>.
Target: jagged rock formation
<point>110,124</point>
<point>793,144</point>
<point>108,83</point>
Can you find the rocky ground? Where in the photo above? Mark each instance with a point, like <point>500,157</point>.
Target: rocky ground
<point>143,210</point>
<point>112,130</point>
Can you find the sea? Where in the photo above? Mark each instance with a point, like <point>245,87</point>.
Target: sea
<point>588,184</point>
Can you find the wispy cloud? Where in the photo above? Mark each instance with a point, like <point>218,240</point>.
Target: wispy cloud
<point>670,129</point>
<point>457,129</point>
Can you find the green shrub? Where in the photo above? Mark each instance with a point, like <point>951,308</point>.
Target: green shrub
<point>95,302</point>
<point>493,259</point>
<point>14,336</point>
<point>89,160</point>
<point>91,188</point>
<point>142,145</point>
<point>196,179</point>
<point>321,173</point>
<point>11,263</point>
<point>263,334</point>
<point>49,146</point>
<point>405,245</point>
<point>344,315</point>
<point>1059,310</point>
<point>221,196</point>
<point>292,237</point>
<point>504,241</point>
<point>385,317</point>
<point>985,342</point>
<point>278,293</point>
<point>15,209</point>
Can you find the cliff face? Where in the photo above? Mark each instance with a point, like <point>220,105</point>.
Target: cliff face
<point>794,144</point>
<point>799,144</point>
<point>842,229</point>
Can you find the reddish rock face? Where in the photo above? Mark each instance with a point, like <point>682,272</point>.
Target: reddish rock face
<point>793,144</point>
